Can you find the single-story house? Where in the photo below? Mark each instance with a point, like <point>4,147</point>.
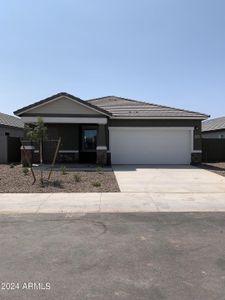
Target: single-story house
<point>214,128</point>
<point>118,130</point>
<point>11,130</point>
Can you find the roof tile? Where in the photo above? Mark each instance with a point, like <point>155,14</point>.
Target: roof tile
<point>122,107</point>
<point>12,121</point>
<point>214,124</point>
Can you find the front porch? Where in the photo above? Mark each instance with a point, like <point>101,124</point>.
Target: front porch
<point>80,144</point>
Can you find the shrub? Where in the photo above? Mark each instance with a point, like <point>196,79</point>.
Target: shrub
<point>63,170</point>
<point>25,171</point>
<point>77,177</point>
<point>42,184</point>
<point>96,184</point>
<point>57,184</point>
<point>99,169</point>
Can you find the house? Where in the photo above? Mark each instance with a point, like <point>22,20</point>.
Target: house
<point>117,130</point>
<point>11,130</point>
<point>214,128</point>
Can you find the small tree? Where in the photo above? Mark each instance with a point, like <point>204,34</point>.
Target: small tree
<point>38,133</point>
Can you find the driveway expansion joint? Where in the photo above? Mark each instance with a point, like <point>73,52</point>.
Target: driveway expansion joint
<point>44,201</point>
<point>100,203</point>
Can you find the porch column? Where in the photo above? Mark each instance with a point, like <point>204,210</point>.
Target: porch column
<point>101,149</point>
<point>196,155</point>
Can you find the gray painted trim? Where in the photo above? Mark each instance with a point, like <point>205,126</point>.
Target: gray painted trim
<point>213,130</point>
<point>28,147</point>
<point>160,118</point>
<point>153,122</point>
<point>65,120</point>
<point>101,148</point>
<point>158,127</point>
<point>62,115</point>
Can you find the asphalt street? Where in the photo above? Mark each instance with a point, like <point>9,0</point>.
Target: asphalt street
<point>152,256</point>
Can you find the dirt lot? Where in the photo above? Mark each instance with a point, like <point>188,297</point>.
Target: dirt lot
<point>13,180</point>
<point>218,168</point>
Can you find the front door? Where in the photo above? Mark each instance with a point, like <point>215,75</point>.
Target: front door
<point>88,144</point>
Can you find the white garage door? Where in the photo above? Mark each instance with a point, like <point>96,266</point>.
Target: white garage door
<point>154,145</point>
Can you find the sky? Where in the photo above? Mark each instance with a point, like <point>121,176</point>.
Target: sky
<point>169,52</point>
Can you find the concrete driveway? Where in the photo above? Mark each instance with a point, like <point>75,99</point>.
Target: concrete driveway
<point>167,179</point>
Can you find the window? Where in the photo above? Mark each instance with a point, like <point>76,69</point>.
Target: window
<point>89,139</point>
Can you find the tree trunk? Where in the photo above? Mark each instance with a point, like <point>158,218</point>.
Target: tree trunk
<point>41,160</point>
<point>41,152</point>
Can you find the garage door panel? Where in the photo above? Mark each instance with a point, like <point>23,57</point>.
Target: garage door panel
<point>150,146</point>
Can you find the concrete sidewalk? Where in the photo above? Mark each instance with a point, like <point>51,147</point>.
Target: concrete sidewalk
<point>111,202</point>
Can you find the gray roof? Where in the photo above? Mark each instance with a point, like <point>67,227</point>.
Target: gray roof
<point>214,124</point>
<point>118,107</point>
<point>125,108</point>
<point>11,121</point>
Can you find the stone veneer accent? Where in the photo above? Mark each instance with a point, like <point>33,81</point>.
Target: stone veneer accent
<point>101,157</point>
<point>27,154</point>
<point>36,157</point>
<point>196,158</point>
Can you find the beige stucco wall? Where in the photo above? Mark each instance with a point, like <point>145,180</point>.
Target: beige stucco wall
<point>63,105</point>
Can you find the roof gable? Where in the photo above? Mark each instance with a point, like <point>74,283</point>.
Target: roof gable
<point>61,103</point>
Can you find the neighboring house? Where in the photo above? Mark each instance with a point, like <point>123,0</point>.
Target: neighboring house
<point>11,129</point>
<point>118,130</point>
<point>214,128</point>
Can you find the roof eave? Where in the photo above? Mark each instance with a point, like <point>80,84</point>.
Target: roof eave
<point>213,130</point>
<point>11,126</point>
<point>161,118</point>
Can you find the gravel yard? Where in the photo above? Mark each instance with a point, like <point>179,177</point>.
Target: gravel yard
<point>218,168</point>
<point>13,180</point>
